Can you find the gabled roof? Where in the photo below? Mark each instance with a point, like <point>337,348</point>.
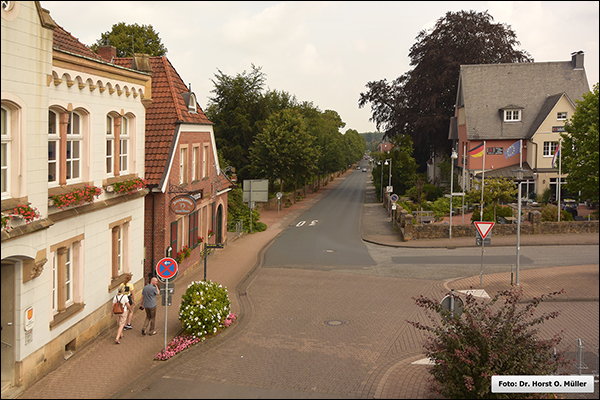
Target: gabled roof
<point>64,41</point>
<point>488,88</point>
<point>164,116</point>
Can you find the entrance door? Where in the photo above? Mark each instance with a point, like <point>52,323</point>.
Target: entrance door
<point>7,277</point>
<point>219,225</point>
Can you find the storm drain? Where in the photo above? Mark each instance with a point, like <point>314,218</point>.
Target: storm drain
<point>334,322</point>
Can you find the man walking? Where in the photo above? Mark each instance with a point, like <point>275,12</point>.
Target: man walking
<point>149,294</point>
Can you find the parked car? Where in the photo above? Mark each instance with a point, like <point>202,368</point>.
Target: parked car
<point>570,206</point>
<point>358,167</point>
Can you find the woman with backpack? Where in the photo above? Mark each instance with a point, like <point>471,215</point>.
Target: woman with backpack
<point>120,308</point>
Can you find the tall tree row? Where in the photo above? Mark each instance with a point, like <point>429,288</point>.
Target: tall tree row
<point>269,134</point>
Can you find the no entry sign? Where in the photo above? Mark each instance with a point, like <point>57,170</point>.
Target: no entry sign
<point>166,268</point>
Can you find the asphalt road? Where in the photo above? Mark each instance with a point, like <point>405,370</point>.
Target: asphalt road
<point>328,234</point>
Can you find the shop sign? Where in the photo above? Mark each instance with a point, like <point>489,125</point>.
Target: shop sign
<point>183,204</point>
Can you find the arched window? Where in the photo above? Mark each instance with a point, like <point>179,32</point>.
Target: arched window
<point>53,147</point>
<point>74,147</point>
<point>124,146</point>
<point>5,153</point>
<point>110,137</point>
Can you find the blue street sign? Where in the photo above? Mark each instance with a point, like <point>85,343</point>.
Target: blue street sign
<point>166,268</point>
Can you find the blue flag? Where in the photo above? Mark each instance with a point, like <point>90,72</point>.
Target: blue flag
<point>514,148</point>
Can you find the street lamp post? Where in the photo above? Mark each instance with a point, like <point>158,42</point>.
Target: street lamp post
<point>381,181</point>
<point>519,179</point>
<point>389,179</point>
<point>453,157</point>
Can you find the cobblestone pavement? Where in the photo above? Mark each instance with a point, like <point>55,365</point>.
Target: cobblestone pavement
<point>350,340</point>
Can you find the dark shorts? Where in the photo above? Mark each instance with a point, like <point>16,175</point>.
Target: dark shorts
<point>130,299</point>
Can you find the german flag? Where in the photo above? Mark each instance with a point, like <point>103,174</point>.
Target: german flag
<point>476,151</point>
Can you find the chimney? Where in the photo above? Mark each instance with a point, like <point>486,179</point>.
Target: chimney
<point>577,59</point>
<point>107,51</point>
<point>141,62</point>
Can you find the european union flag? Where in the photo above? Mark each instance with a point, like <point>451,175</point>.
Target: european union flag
<point>514,148</point>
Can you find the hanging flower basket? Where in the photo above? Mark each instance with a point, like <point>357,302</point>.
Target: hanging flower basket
<point>130,186</point>
<point>76,197</point>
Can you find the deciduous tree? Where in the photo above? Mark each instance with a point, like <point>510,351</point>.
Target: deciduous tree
<point>130,39</point>
<point>580,148</point>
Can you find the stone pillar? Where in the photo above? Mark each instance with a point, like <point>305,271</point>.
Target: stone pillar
<point>536,221</point>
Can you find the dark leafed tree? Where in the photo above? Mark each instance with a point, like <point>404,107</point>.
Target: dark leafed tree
<point>420,102</point>
<point>236,109</point>
<point>130,39</point>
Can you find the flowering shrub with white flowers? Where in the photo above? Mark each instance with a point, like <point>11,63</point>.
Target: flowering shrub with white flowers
<point>205,308</point>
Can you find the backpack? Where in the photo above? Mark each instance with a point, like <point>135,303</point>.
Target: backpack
<point>118,307</point>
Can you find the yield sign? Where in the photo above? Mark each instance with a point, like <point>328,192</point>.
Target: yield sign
<point>166,268</point>
<point>484,228</point>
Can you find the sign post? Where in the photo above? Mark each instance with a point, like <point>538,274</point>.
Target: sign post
<point>483,228</point>
<point>166,269</point>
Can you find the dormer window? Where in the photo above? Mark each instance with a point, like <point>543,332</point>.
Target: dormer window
<point>512,115</point>
<point>192,104</point>
<point>189,98</point>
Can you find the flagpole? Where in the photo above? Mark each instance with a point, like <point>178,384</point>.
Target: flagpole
<point>463,181</point>
<point>482,183</point>
<point>519,177</point>
<point>559,174</point>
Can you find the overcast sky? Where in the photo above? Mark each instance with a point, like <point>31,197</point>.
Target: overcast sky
<point>324,52</point>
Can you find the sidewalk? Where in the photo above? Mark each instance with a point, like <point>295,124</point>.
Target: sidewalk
<point>102,369</point>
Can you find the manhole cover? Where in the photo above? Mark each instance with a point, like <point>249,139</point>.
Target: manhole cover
<point>334,322</point>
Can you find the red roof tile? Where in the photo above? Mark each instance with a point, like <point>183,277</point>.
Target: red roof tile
<point>168,109</point>
<point>63,40</point>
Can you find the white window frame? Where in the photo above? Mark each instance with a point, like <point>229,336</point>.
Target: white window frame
<point>5,152</point>
<point>120,243</point>
<point>512,115</point>
<point>561,116</point>
<point>192,105</point>
<point>54,139</point>
<point>195,163</point>
<point>68,284</point>
<point>71,283</point>
<point>74,145</point>
<point>109,151</point>
<point>549,148</point>
<point>124,144</point>
<point>205,161</point>
<point>183,161</point>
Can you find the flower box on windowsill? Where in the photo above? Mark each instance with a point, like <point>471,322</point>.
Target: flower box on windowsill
<point>76,197</point>
<point>128,187</point>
